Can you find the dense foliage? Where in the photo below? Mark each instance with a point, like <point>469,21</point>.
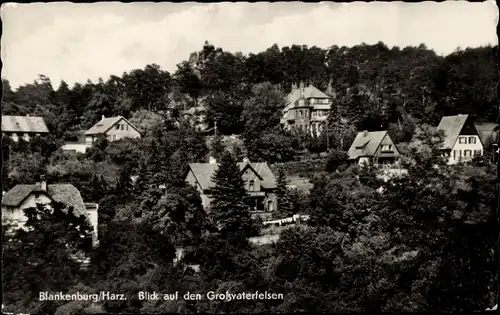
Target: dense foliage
<point>422,242</point>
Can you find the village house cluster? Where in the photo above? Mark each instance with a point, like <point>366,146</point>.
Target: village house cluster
<point>307,109</point>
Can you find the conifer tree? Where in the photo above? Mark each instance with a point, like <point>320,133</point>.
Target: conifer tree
<point>217,146</point>
<point>285,206</point>
<point>229,208</point>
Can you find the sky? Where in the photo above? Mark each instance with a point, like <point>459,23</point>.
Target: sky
<point>76,42</point>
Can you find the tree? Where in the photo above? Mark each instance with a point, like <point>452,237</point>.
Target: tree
<point>42,258</point>
<point>285,206</point>
<point>224,110</point>
<point>145,120</point>
<point>179,214</point>
<point>336,159</point>
<point>193,143</point>
<point>218,147</point>
<point>261,115</point>
<point>149,254</point>
<point>187,80</point>
<point>229,206</point>
<point>276,145</point>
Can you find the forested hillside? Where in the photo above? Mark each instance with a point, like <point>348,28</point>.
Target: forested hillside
<point>373,84</point>
<point>423,242</point>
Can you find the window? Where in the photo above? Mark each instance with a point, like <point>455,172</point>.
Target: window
<point>325,101</point>
<point>251,185</point>
<point>454,154</point>
<point>117,127</point>
<point>477,152</point>
<point>114,137</point>
<point>472,140</point>
<point>462,140</point>
<point>126,127</point>
<point>123,127</point>
<point>386,148</point>
<point>467,153</point>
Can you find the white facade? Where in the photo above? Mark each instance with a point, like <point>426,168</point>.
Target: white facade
<point>465,148</point>
<point>120,130</point>
<point>77,147</point>
<point>15,215</point>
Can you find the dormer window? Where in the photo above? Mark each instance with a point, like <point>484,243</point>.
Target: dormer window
<point>251,185</point>
<point>386,148</point>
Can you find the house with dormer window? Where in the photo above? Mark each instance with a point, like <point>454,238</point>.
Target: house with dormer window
<point>260,183</point>
<point>113,128</point>
<point>373,148</point>
<point>307,109</point>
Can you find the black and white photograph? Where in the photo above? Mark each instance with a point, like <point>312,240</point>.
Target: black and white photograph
<point>246,158</point>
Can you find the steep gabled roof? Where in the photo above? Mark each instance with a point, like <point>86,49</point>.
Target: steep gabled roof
<point>309,92</point>
<point>105,124</point>
<point>23,124</point>
<point>367,143</point>
<point>451,125</point>
<point>486,131</point>
<point>204,171</point>
<point>64,193</point>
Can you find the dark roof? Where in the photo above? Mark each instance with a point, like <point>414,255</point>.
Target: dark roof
<point>24,124</point>
<point>64,193</point>
<point>368,142</point>
<point>451,125</point>
<point>105,124</point>
<point>204,171</point>
<point>486,131</point>
<point>309,92</point>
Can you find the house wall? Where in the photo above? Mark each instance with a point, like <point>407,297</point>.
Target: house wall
<point>457,153</point>
<point>16,214</point>
<point>81,148</point>
<point>114,134</point>
<point>387,141</point>
<point>90,139</point>
<point>248,175</point>
<point>15,136</point>
<point>93,216</point>
<point>270,197</point>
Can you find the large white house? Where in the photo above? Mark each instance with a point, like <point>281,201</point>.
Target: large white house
<point>114,128</point>
<point>29,196</point>
<point>306,109</point>
<point>462,141</point>
<point>23,127</point>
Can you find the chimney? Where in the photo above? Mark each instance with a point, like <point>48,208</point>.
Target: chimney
<point>103,117</point>
<point>212,160</point>
<point>246,160</point>
<point>301,88</point>
<point>43,183</point>
<point>365,133</point>
<point>294,87</point>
